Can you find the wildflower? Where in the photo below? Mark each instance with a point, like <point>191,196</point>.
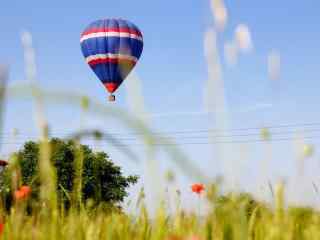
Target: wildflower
<point>193,237</point>
<point>173,237</point>
<point>22,193</point>
<point>1,227</point>
<point>18,194</point>
<point>25,189</point>
<point>197,188</point>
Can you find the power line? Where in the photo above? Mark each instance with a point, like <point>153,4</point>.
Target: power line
<point>209,143</point>
<point>159,144</point>
<point>184,131</point>
<point>224,136</point>
<point>215,136</point>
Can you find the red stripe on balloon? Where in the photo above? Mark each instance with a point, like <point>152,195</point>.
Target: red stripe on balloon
<point>120,30</point>
<point>111,87</point>
<point>110,60</point>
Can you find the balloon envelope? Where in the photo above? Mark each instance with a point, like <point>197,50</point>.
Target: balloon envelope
<point>111,47</point>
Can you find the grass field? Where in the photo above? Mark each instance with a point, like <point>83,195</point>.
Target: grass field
<point>232,216</point>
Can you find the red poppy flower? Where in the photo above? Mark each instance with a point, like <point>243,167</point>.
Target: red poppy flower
<point>173,237</point>
<point>197,188</point>
<point>22,193</point>
<point>1,227</point>
<point>193,237</point>
<point>25,189</point>
<point>18,194</point>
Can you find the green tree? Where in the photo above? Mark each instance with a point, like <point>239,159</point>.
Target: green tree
<point>102,181</point>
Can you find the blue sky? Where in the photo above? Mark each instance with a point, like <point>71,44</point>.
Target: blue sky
<point>173,69</point>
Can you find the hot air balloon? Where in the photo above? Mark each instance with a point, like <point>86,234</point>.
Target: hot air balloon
<point>111,47</point>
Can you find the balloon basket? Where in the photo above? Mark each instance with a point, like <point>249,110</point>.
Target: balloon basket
<point>112,98</point>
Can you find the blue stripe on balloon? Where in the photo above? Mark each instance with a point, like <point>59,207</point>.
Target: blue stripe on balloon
<point>103,45</point>
<point>100,70</point>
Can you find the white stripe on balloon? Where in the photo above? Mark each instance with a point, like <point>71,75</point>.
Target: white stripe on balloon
<point>111,34</point>
<point>111,56</point>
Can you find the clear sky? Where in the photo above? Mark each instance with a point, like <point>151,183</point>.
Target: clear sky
<point>173,73</point>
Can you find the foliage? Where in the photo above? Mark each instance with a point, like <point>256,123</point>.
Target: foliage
<point>102,181</point>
